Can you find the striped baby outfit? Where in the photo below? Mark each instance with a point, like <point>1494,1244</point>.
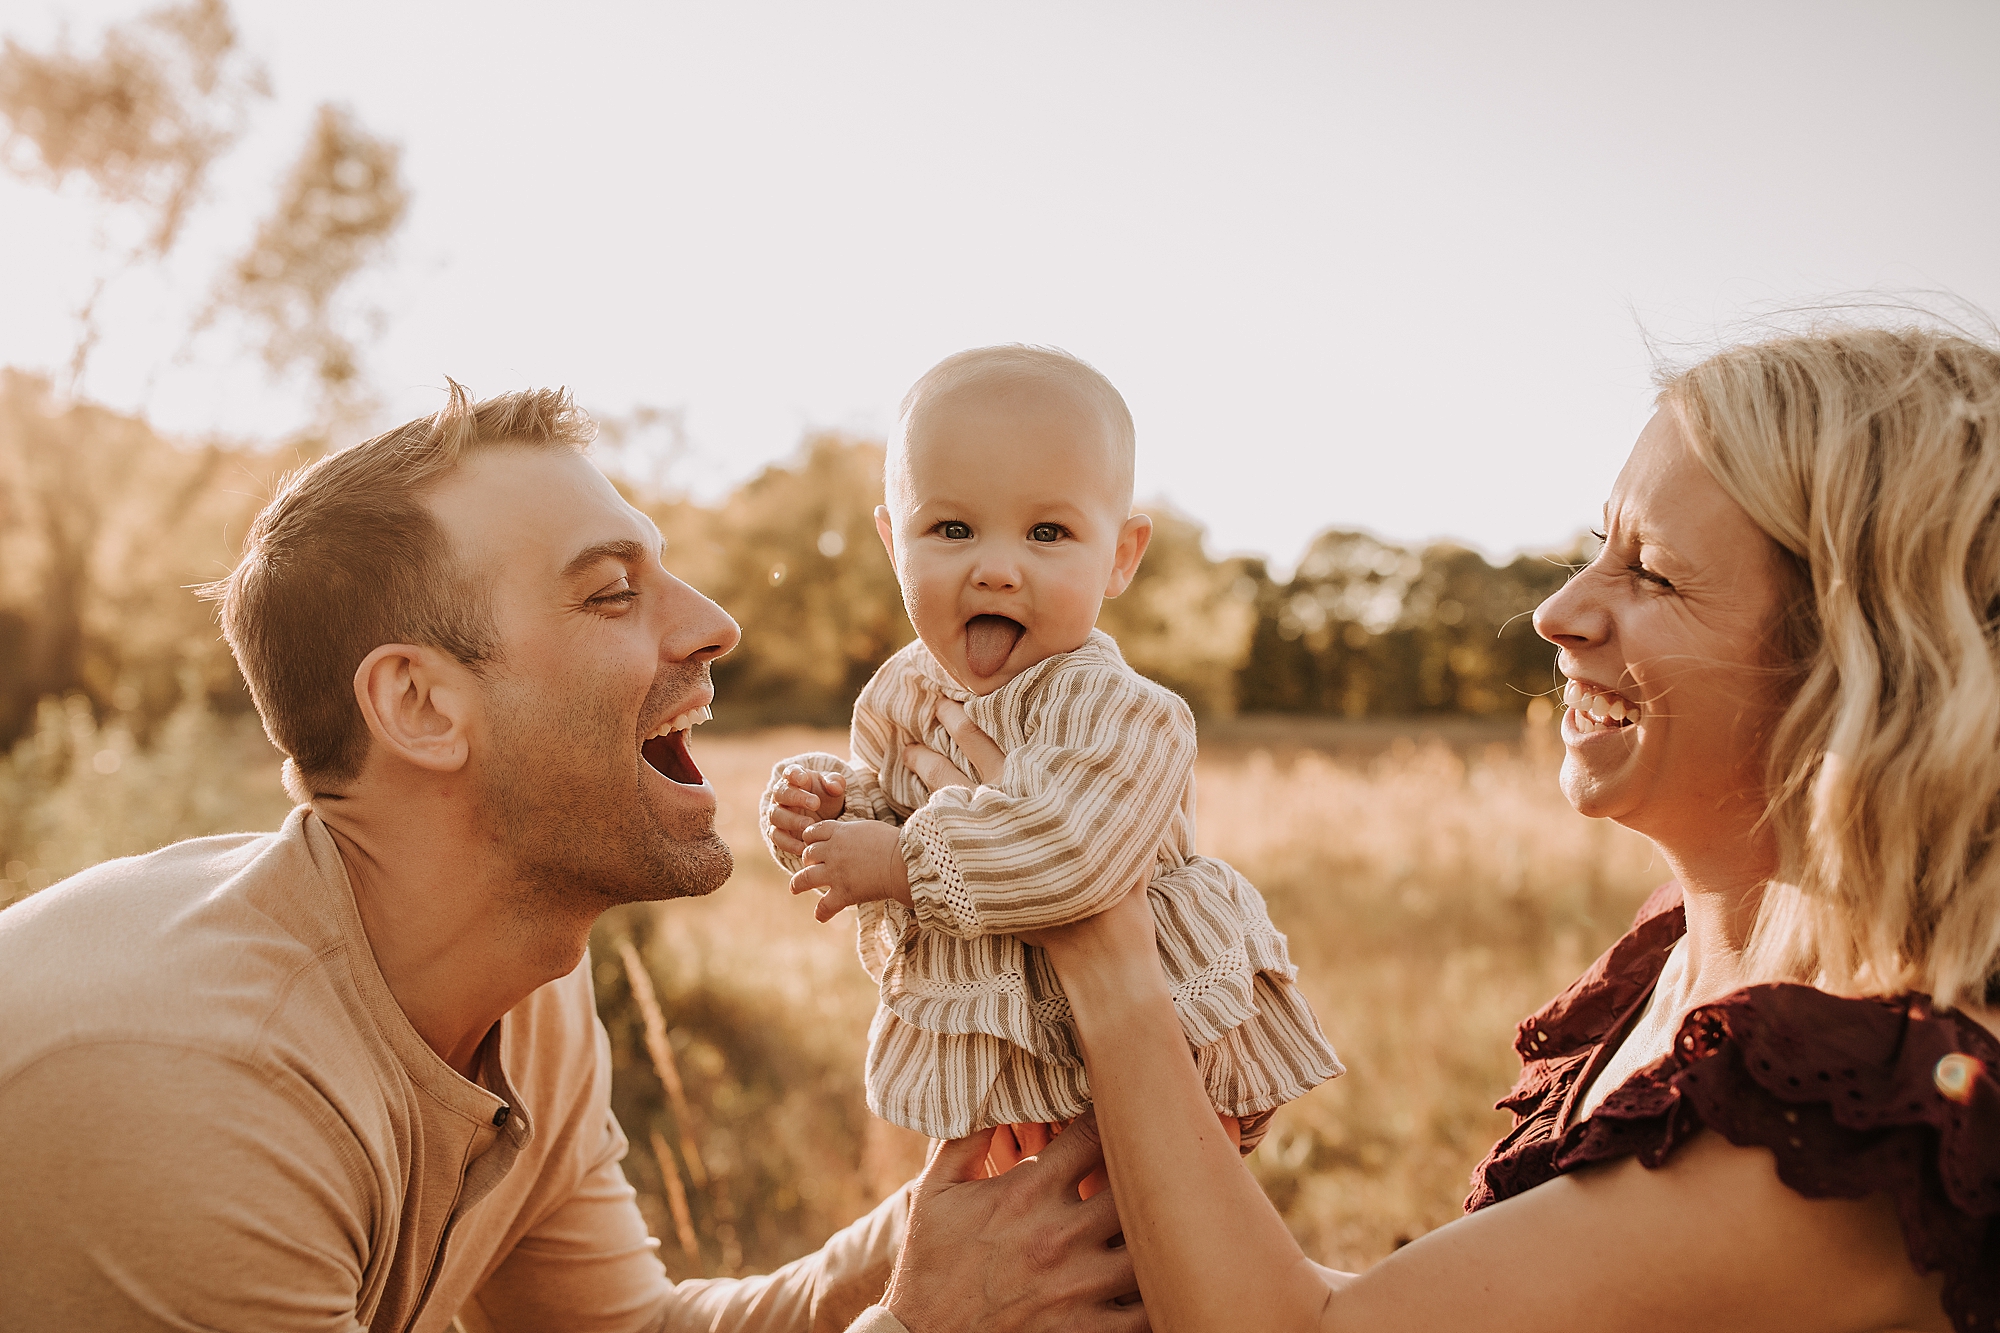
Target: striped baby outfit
<point>973,1029</point>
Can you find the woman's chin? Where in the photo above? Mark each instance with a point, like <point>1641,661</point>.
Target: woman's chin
<point>1597,775</point>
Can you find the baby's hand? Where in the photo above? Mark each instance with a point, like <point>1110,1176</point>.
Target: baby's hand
<point>806,798</point>
<point>855,861</point>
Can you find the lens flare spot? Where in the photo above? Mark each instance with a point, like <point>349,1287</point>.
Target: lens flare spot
<point>1956,1075</point>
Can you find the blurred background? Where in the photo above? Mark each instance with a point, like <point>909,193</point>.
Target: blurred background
<point>1384,286</point>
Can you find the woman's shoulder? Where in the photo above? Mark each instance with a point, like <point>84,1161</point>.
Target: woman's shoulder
<point>1852,1096</point>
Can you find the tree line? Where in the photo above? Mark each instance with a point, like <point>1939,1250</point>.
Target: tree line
<point>105,527</point>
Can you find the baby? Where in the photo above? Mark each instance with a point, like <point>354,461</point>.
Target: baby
<point>1009,521</point>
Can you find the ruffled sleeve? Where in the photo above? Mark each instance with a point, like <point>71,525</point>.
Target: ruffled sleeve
<point>1852,1097</point>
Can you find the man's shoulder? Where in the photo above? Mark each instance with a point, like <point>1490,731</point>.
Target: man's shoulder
<point>195,945</point>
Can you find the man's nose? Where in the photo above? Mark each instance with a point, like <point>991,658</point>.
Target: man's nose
<point>697,629</point>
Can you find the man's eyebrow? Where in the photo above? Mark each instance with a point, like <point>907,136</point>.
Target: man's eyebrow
<point>631,552</point>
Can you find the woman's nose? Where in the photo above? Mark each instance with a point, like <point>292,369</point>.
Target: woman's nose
<point>1573,616</point>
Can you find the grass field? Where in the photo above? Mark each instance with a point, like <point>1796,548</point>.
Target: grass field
<point>1434,891</point>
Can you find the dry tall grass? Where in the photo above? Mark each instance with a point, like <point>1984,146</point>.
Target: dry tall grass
<point>1433,895</point>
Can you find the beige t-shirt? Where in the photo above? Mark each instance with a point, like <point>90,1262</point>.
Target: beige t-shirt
<point>214,1115</point>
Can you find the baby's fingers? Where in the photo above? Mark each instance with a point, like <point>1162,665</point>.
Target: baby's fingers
<point>801,790</point>
<point>812,877</point>
<point>791,821</point>
<point>831,903</point>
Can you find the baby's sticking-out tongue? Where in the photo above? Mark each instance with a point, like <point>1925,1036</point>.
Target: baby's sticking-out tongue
<point>988,641</point>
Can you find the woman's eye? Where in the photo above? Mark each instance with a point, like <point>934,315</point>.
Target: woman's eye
<point>955,532</point>
<point>1046,532</point>
<point>1648,576</point>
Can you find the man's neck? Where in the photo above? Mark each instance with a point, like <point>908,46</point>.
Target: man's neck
<point>446,919</point>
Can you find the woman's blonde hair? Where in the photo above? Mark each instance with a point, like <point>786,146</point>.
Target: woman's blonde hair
<point>1873,458</point>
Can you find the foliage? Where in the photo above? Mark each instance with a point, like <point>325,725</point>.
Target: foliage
<point>103,528</point>
<point>108,526</point>
<point>1186,619</point>
<point>143,120</point>
<point>336,211</point>
<point>75,791</point>
<point>1367,629</point>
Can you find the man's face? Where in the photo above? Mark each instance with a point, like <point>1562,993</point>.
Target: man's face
<point>600,650</point>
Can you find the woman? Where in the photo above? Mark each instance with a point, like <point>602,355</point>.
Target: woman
<point>1773,1104</point>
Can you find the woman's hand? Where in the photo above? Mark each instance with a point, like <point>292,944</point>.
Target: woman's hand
<point>938,772</point>
<point>1115,949</point>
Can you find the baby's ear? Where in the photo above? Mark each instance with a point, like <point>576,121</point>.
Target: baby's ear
<point>1133,539</point>
<point>886,531</point>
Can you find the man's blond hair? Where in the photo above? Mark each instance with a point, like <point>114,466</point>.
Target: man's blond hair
<point>1872,457</point>
<point>347,557</point>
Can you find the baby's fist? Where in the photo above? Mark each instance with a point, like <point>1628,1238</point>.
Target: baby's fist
<point>805,797</point>
<point>855,861</point>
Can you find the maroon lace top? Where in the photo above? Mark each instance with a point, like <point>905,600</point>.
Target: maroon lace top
<point>1853,1097</point>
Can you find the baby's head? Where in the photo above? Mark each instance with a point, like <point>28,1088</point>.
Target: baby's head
<point>1009,514</point>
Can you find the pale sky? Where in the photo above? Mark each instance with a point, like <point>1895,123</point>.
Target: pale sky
<point>1376,266</point>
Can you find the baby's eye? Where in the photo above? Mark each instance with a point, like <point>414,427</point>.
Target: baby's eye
<point>955,531</point>
<point>1046,532</point>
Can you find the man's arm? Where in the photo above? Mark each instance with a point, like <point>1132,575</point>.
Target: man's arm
<point>589,1264</point>
<point>151,1187</point>
<point>1019,1254</point>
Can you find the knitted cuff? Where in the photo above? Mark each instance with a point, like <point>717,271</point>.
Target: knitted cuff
<point>937,890</point>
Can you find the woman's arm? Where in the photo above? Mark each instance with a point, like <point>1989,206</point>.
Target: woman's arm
<point>1209,1250</point>
<point>1712,1239</point>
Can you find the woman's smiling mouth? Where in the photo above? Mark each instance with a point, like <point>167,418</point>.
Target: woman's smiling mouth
<point>1593,710</point>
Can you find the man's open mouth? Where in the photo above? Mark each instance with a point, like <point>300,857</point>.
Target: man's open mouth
<point>989,641</point>
<point>667,751</point>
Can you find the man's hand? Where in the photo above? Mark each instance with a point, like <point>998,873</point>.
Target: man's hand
<point>855,861</point>
<point>1015,1254</point>
<point>805,798</point>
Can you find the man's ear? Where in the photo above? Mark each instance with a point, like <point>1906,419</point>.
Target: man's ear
<point>1133,539</point>
<point>418,705</point>
<point>886,531</point>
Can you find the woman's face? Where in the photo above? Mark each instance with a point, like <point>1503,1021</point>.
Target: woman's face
<point>1666,643</point>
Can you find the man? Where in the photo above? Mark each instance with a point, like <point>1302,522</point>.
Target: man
<point>349,1075</point>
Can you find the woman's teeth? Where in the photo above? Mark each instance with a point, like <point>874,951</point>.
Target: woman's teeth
<point>694,717</point>
<point>1598,712</point>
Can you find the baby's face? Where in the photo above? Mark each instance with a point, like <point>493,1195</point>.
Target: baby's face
<point>1008,522</point>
